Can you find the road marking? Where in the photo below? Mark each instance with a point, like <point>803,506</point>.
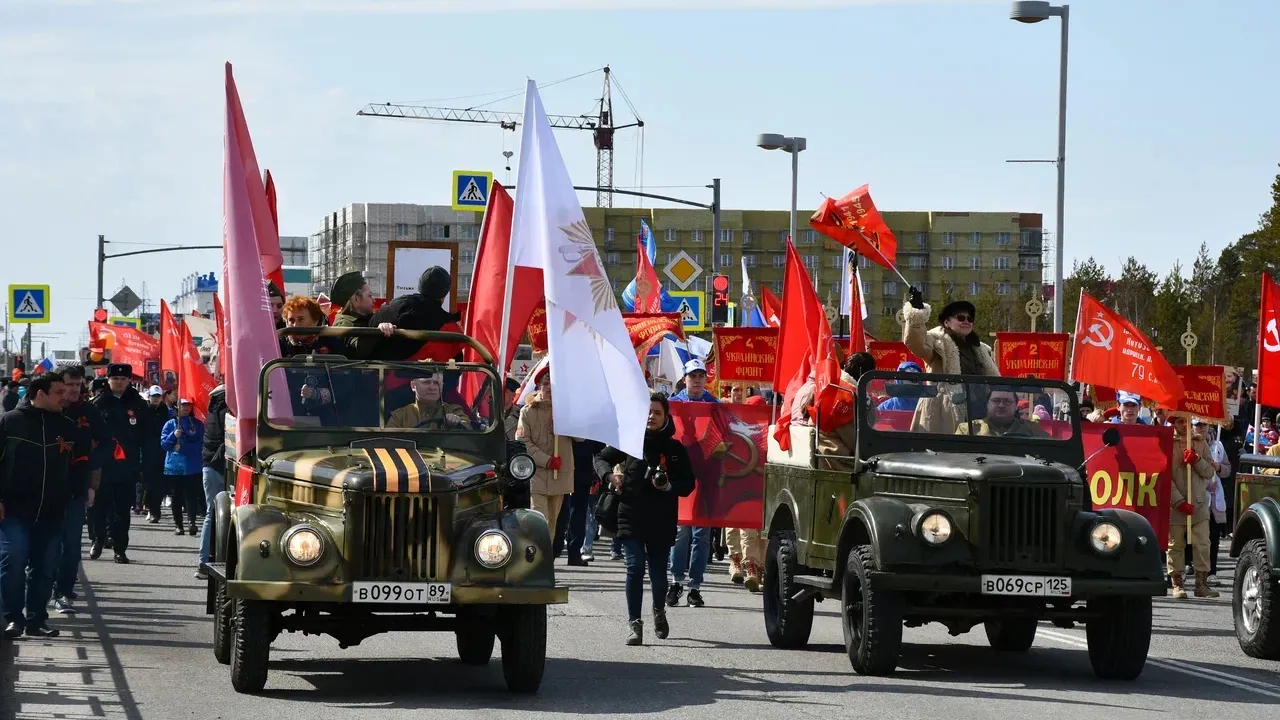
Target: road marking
<point>1195,671</point>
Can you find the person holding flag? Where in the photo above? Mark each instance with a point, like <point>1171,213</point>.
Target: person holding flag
<point>950,348</point>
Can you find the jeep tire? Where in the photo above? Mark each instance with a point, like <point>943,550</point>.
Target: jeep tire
<point>1253,603</point>
<point>251,646</point>
<point>475,642</point>
<point>1120,638</point>
<point>524,646</point>
<point>787,622</point>
<point>222,626</point>
<point>1011,634</point>
<point>872,619</point>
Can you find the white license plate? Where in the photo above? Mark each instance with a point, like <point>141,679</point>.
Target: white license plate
<point>400,592</point>
<point>1029,585</point>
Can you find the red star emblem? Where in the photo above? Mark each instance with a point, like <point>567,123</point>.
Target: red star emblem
<point>63,445</point>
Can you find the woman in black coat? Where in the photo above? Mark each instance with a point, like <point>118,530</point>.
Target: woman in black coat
<point>649,490</point>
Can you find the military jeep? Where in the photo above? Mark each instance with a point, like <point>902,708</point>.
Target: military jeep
<point>1256,545</point>
<point>377,497</point>
<point>951,509</point>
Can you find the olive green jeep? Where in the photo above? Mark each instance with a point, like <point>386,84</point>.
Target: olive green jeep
<point>379,497</point>
<point>1256,546</point>
<point>952,508</point>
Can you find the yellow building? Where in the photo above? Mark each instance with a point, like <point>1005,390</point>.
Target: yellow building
<point>955,254</point>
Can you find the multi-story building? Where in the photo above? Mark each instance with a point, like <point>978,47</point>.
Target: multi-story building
<point>954,254</point>
<point>296,270</point>
<point>196,295</point>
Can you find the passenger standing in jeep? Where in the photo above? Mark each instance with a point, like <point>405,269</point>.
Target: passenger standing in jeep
<point>951,348</point>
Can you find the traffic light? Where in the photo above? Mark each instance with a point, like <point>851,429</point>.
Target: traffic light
<point>100,315</point>
<point>720,300</point>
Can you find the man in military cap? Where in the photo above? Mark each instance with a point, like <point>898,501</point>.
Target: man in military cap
<point>510,412</point>
<point>351,292</point>
<point>123,410</point>
<point>428,408</point>
<point>1002,418</point>
<point>423,310</point>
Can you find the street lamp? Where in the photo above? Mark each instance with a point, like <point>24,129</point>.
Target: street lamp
<point>1034,11</point>
<point>793,145</point>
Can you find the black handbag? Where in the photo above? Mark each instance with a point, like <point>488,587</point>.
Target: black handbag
<point>607,502</point>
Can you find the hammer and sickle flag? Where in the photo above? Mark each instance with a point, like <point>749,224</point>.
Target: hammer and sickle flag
<point>398,470</point>
<point>1112,352</point>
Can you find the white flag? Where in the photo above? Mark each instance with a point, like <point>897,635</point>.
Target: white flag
<point>602,394</point>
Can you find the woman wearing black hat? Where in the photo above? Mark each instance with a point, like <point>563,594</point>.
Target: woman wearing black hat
<point>950,348</point>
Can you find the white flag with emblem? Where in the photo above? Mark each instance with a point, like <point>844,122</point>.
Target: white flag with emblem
<point>599,388</point>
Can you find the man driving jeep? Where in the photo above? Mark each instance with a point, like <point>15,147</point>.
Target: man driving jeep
<point>427,407</point>
<point>1002,418</point>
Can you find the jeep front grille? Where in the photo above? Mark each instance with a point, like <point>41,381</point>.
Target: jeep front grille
<point>1022,526</point>
<point>400,538</point>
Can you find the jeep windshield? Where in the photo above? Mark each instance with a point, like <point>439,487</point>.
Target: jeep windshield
<point>980,406</point>
<point>407,397</point>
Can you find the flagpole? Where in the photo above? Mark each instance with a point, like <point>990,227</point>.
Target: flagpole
<point>508,284</point>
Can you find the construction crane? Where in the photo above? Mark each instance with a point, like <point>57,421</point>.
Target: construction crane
<point>601,124</point>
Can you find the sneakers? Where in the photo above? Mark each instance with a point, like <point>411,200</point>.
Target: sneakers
<point>673,594</point>
<point>660,627</point>
<point>615,556</point>
<point>179,531</point>
<point>695,598</point>
<point>1212,580</point>
<point>63,606</point>
<point>200,574</point>
<point>735,569</point>
<point>637,633</point>
<point>588,556</point>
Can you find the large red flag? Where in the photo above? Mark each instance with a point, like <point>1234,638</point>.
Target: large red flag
<point>648,291</point>
<point>857,331</point>
<point>194,381</point>
<point>770,307</point>
<point>277,275</point>
<point>854,222</point>
<point>488,289</point>
<point>251,340</point>
<point>170,341</point>
<point>220,323</point>
<point>803,329</point>
<point>1269,343</point>
<point>1110,351</point>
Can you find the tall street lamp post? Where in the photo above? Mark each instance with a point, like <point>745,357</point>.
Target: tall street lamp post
<point>1034,11</point>
<point>793,145</point>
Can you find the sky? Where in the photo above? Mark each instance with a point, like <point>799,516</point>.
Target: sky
<point>112,111</point>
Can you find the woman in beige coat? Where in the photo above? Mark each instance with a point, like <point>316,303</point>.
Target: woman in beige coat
<point>950,348</point>
<point>553,478</point>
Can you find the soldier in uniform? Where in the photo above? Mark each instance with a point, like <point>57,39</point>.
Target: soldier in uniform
<point>351,292</point>
<point>428,408</point>
<point>123,410</point>
<point>1002,418</point>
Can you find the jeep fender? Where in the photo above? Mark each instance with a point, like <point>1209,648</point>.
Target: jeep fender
<point>1259,520</point>
<point>1137,559</point>
<point>221,549</point>
<point>784,506</point>
<point>885,525</point>
<point>532,563</point>
<point>253,525</point>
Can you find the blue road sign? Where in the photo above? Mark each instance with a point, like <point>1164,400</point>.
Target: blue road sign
<point>690,306</point>
<point>471,189</point>
<point>28,304</point>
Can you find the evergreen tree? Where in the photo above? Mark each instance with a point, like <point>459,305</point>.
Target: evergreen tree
<point>1173,304</point>
<point>1133,293</point>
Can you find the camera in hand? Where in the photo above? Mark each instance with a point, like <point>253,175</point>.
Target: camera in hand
<point>658,477</point>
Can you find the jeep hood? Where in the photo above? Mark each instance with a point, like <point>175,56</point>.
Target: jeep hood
<point>394,470</point>
<point>971,467</point>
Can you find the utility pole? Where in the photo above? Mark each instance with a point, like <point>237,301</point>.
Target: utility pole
<point>103,257</point>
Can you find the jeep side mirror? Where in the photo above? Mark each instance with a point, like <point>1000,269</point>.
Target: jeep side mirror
<point>1111,437</point>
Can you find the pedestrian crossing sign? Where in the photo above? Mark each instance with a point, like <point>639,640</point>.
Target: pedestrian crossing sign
<point>690,308</point>
<point>28,304</point>
<point>471,189</point>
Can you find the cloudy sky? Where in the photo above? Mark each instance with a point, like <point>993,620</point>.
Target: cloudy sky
<point>111,114</point>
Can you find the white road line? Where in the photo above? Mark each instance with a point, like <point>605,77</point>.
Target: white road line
<point>1240,683</point>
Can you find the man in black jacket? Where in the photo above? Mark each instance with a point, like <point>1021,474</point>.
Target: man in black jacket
<point>215,464</point>
<point>91,429</point>
<point>423,310</point>
<point>123,410</point>
<point>38,448</point>
<point>155,485</point>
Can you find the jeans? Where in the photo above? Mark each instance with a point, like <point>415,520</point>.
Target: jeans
<point>591,528</point>
<point>638,553</point>
<point>680,562</point>
<point>72,539</point>
<point>186,491</point>
<point>39,546</point>
<point>213,484</point>
<point>576,537</point>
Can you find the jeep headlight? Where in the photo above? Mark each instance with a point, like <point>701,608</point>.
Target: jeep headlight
<point>303,545</point>
<point>493,549</point>
<point>935,527</point>
<point>521,467</point>
<point>1105,537</point>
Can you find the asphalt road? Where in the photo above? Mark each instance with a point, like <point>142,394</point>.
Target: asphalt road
<point>139,649</point>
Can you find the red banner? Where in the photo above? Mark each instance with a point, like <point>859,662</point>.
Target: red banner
<point>745,355</point>
<point>889,354</point>
<point>727,447</point>
<point>1040,356</point>
<point>1203,391</point>
<point>538,328</point>
<point>1135,475</point>
<point>648,329</point>
<point>1269,343</point>
<point>854,222</point>
<point>126,344</point>
<point>1112,352</point>
<point>195,382</point>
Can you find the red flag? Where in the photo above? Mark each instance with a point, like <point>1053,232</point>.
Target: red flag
<point>194,381</point>
<point>648,291</point>
<point>1110,351</point>
<point>273,275</point>
<point>1269,343</point>
<point>770,307</point>
<point>857,332</point>
<point>170,341</point>
<point>220,324</point>
<point>483,320</point>
<point>803,331</point>
<point>854,222</point>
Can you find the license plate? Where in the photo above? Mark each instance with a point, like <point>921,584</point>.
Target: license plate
<point>399,592</point>
<point>1028,585</point>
